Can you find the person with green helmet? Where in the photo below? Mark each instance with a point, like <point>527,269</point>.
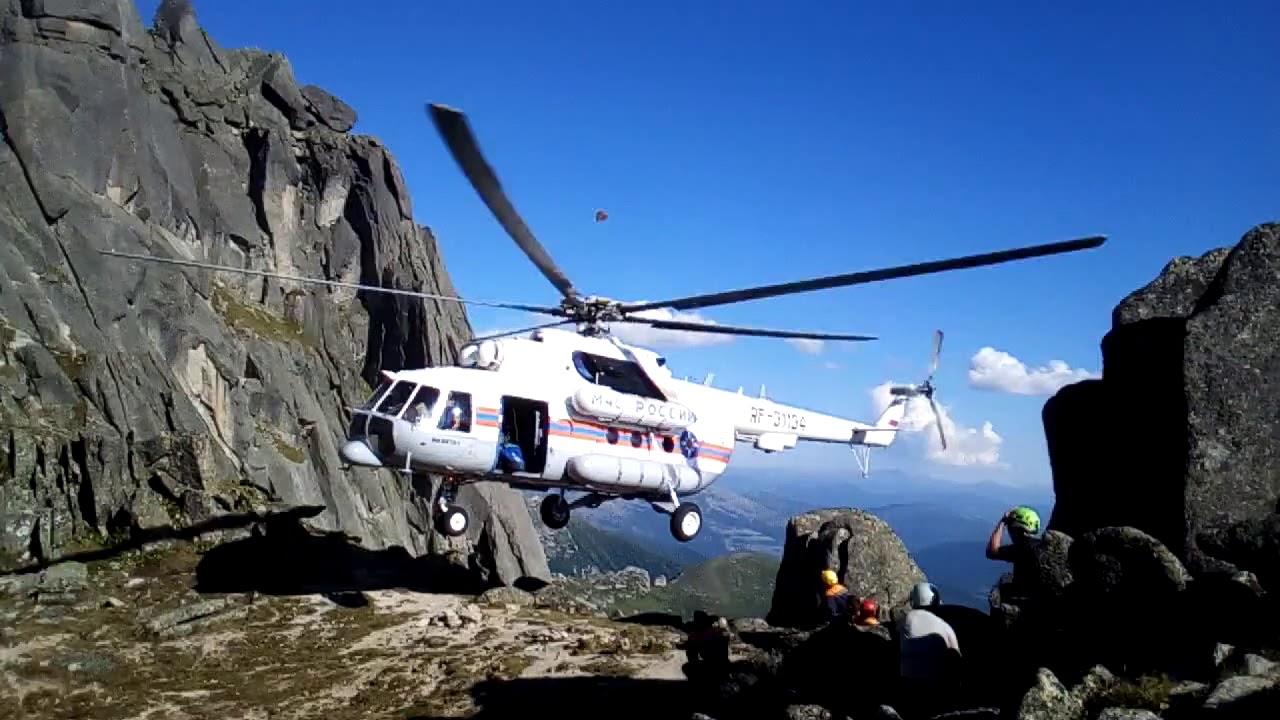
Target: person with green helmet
<point>1023,524</point>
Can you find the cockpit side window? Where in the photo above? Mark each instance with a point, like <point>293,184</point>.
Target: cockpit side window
<point>422,403</point>
<point>395,400</point>
<point>457,413</point>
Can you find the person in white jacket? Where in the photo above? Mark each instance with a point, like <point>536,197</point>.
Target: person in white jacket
<point>928,651</point>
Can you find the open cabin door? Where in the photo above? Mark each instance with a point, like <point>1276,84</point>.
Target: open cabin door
<point>524,430</point>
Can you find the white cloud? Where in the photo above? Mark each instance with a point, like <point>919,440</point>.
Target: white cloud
<point>831,365</point>
<point>998,371</point>
<point>807,345</point>
<point>965,445</point>
<point>636,334</point>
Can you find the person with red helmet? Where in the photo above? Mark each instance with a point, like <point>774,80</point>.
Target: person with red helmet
<point>868,613</point>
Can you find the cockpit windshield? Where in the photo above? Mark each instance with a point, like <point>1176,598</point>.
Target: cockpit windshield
<point>395,400</point>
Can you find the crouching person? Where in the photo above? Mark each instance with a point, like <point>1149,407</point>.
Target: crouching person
<point>929,659</point>
<point>707,645</point>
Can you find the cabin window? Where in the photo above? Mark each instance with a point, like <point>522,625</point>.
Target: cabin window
<point>668,443</point>
<point>636,439</point>
<point>422,403</point>
<point>397,398</point>
<point>457,413</point>
<point>611,435</point>
<point>624,376</point>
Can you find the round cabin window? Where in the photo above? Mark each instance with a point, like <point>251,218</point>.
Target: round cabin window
<point>611,435</point>
<point>669,444</point>
<point>636,438</point>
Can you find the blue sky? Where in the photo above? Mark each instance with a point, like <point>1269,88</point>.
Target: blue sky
<point>736,144</point>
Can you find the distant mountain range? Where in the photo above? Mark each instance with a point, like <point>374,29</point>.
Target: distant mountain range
<point>735,585</point>
<point>943,525</point>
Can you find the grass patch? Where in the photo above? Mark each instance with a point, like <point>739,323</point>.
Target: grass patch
<point>610,667</point>
<point>255,319</point>
<point>1145,693</point>
<point>289,452</point>
<point>72,363</point>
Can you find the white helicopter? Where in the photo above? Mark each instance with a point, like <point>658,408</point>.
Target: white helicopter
<point>581,411</point>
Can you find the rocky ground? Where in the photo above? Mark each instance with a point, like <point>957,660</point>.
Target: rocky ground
<point>129,638</point>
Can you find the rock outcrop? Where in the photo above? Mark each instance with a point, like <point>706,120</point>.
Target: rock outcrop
<point>866,554</point>
<point>137,396</point>
<point>1190,453</point>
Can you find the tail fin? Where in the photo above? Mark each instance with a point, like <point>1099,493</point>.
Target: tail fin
<point>890,420</point>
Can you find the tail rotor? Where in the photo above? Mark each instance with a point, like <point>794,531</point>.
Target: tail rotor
<point>926,388</point>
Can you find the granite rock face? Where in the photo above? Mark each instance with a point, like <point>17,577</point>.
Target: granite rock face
<point>1180,437</point>
<point>865,553</point>
<point>137,396</point>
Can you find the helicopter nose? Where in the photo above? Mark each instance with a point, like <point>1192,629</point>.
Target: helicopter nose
<point>358,452</point>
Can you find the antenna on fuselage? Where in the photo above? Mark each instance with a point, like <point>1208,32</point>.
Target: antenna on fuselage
<point>707,380</point>
<point>762,392</point>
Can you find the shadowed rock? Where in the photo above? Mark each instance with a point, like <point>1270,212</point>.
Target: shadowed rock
<point>1189,358</point>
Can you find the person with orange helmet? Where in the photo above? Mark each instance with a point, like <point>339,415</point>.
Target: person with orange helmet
<point>835,596</point>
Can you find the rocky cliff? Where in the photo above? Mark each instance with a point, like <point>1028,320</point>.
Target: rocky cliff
<point>1180,437</point>
<point>141,396</point>
<point>866,554</point>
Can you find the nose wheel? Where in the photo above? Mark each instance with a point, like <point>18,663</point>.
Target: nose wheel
<point>451,519</point>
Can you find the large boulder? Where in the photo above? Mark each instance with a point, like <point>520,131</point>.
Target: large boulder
<point>1179,438</point>
<point>868,556</point>
<point>138,396</point>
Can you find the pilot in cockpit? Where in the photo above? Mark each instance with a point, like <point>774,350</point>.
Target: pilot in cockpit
<point>418,411</point>
<point>420,407</point>
<point>453,416</point>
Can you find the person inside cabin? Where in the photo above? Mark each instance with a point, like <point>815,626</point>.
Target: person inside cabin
<point>420,405</point>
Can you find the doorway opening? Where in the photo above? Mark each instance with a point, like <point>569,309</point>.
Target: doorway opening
<point>524,424</point>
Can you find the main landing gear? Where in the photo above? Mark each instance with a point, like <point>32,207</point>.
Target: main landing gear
<point>686,517</point>
<point>451,519</point>
<point>686,521</point>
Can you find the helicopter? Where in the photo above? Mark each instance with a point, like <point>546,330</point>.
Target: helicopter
<point>559,411</point>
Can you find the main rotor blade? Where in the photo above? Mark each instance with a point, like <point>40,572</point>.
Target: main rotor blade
<point>453,127</point>
<point>868,276</point>
<point>519,331</point>
<point>545,310</point>
<point>737,330</point>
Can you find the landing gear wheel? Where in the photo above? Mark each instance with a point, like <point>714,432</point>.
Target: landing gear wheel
<point>453,521</point>
<point>555,511</point>
<point>686,521</point>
